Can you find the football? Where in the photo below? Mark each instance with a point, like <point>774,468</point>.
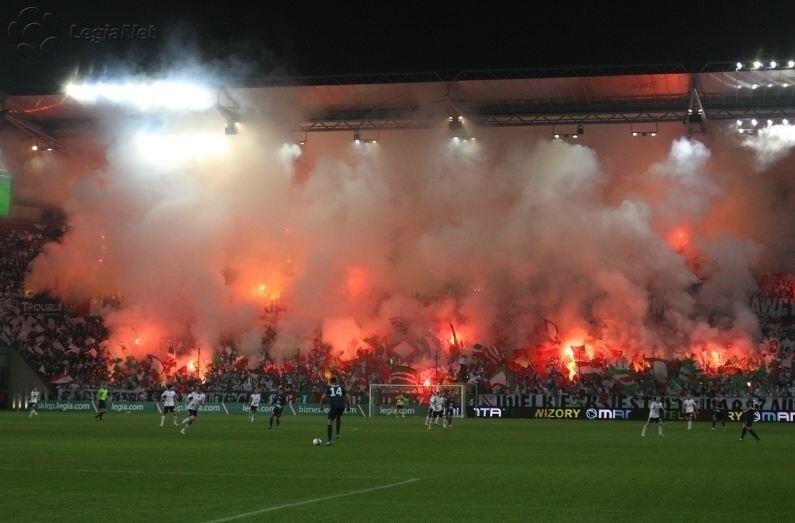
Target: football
<point>316,442</point>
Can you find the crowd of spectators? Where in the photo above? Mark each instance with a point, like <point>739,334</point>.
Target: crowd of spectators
<point>72,352</point>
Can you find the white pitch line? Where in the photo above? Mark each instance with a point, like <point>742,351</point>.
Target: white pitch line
<point>309,501</point>
<point>180,473</point>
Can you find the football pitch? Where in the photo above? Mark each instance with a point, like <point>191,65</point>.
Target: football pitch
<point>66,467</point>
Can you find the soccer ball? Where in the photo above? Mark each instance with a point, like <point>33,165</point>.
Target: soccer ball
<point>317,441</point>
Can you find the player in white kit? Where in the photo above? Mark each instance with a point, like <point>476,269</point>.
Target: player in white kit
<point>436,406</point>
<point>655,416</point>
<point>689,407</point>
<point>195,399</point>
<point>33,402</point>
<point>169,398</point>
<point>253,404</point>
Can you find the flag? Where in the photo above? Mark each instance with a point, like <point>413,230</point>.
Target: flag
<point>552,331</point>
<point>157,365</point>
<point>399,323</point>
<point>60,379</point>
<point>403,375</point>
<point>492,354</point>
<point>659,368</point>
<point>501,378</point>
<point>241,363</point>
<point>589,370</point>
<point>579,353</point>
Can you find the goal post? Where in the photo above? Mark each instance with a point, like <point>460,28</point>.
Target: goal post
<point>383,398</point>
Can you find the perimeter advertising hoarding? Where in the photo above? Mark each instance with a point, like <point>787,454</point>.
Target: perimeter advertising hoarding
<point>139,407</point>
<point>780,410</point>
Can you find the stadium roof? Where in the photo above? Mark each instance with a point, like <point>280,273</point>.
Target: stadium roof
<point>570,96</point>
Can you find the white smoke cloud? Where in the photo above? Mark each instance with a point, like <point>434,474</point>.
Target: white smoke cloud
<point>492,235</point>
<point>770,144</point>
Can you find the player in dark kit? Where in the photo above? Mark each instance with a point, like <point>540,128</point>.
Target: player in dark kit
<point>718,412</point>
<point>338,402</point>
<point>749,414</point>
<point>278,401</point>
<point>449,412</point>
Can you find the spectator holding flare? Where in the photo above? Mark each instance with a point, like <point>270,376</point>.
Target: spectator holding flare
<point>102,399</point>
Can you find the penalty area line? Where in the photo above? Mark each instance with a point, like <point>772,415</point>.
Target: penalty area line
<point>310,501</point>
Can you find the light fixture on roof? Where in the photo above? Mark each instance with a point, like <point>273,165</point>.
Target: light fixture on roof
<point>785,85</point>
<point>644,130</point>
<point>739,65</point>
<point>773,64</point>
<point>784,121</point>
<point>739,123</point>
<point>757,64</point>
<point>754,122</point>
<point>769,122</point>
<point>34,147</point>
<point>579,130</point>
<point>791,64</point>
<point>454,121</point>
<point>754,86</point>
<point>770,85</point>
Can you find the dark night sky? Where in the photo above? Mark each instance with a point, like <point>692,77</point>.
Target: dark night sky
<point>287,38</point>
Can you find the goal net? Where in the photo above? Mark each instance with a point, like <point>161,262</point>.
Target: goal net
<point>384,399</point>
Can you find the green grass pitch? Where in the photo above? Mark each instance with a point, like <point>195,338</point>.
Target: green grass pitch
<point>66,467</point>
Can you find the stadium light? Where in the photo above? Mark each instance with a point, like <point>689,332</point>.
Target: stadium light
<point>754,86</point>
<point>357,136</point>
<point>146,96</point>
<point>770,85</point>
<point>784,121</point>
<point>754,122</point>
<point>455,121</point>
<point>634,133</point>
<point>757,64</point>
<point>773,64</point>
<point>770,122</point>
<point>791,64</point>
<point>739,123</point>
<point>785,85</point>
<point>34,147</point>
<point>739,65</point>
